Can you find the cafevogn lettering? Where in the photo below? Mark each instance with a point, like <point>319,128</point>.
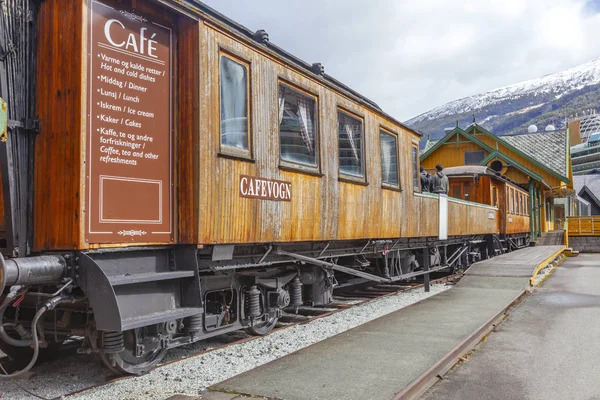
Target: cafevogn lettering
<point>129,174</point>
<point>266,189</point>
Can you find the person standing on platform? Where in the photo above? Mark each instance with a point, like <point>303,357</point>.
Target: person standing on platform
<point>439,182</point>
<point>425,180</point>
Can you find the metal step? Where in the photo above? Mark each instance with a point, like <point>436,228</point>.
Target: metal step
<point>129,279</point>
<point>569,252</point>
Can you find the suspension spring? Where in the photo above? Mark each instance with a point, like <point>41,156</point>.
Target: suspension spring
<point>193,324</point>
<point>254,302</point>
<point>296,292</point>
<point>113,342</point>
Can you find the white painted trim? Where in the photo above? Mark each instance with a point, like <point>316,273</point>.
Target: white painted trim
<point>453,200</point>
<point>470,203</point>
<point>427,195</point>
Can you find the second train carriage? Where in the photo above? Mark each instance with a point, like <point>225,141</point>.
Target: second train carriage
<point>482,184</point>
<point>191,178</point>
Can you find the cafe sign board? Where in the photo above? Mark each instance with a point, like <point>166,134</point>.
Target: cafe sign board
<point>129,128</point>
<point>265,189</point>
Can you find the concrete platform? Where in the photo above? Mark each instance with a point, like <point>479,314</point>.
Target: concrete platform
<point>547,349</point>
<point>382,358</point>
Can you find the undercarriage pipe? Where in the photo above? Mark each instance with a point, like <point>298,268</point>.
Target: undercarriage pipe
<point>35,342</point>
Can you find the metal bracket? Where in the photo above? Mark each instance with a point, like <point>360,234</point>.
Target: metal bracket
<point>139,350</point>
<point>31,125</point>
<point>223,252</point>
<point>164,342</point>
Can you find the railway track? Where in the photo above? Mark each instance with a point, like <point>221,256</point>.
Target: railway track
<point>347,295</point>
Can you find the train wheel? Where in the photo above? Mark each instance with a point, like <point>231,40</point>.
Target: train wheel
<point>264,327</point>
<point>126,362</point>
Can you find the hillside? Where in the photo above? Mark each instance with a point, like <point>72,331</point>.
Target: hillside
<point>511,109</point>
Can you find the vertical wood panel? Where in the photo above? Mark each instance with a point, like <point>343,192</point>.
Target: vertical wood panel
<point>187,139</point>
<point>57,149</point>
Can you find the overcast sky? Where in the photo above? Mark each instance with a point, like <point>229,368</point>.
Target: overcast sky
<point>412,55</point>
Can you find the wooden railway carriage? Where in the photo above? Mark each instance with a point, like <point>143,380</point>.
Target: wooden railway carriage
<point>482,184</point>
<point>191,178</point>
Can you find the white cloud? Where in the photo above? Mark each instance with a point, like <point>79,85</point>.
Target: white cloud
<point>410,56</point>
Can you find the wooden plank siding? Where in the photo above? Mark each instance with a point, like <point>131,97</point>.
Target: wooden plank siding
<point>187,180</point>
<point>58,157</point>
<point>450,154</point>
<point>468,219</point>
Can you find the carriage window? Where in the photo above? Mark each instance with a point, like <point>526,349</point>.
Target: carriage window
<point>521,203</point>
<point>233,81</point>
<point>516,202</point>
<point>456,191</point>
<point>510,201</point>
<point>495,197</point>
<point>389,158</point>
<point>297,126</point>
<point>351,146</point>
<point>415,166</point>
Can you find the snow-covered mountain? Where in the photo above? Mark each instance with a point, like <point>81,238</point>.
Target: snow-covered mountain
<point>511,109</point>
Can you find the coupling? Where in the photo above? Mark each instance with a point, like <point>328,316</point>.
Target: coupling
<point>48,269</point>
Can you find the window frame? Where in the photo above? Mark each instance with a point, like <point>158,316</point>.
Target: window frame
<point>224,150</point>
<point>495,199</point>
<point>473,151</point>
<point>417,189</point>
<point>344,177</point>
<point>464,193</point>
<point>290,165</point>
<point>384,185</point>
<point>521,203</point>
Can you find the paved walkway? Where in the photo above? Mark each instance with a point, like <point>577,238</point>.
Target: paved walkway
<point>379,359</point>
<point>549,348</point>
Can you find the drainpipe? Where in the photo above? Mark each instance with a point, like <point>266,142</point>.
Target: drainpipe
<point>539,213</point>
<point>531,209</point>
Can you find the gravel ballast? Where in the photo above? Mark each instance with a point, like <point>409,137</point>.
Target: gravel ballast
<point>193,375</point>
